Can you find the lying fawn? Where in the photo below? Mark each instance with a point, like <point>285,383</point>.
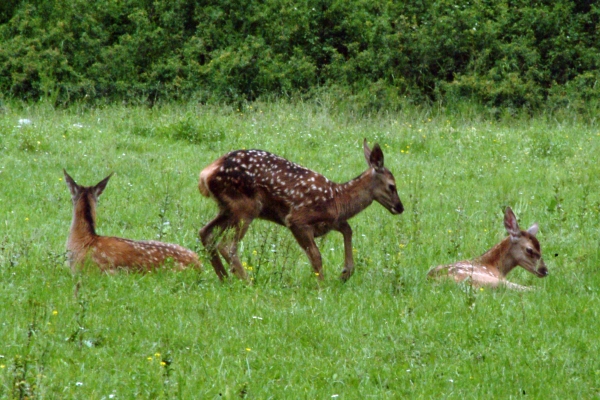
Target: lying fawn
<point>112,253</point>
<point>249,184</point>
<point>519,248</point>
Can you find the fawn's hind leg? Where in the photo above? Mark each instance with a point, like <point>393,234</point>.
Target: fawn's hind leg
<point>208,240</point>
<point>229,250</point>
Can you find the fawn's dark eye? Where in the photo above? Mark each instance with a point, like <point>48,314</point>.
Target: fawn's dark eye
<point>529,251</point>
<point>392,188</point>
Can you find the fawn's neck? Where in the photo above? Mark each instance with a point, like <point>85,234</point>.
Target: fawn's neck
<point>498,258</point>
<point>83,224</point>
<point>354,196</point>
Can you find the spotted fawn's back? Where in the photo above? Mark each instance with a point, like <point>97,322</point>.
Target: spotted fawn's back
<point>112,253</point>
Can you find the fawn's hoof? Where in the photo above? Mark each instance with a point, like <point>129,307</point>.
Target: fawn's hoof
<point>346,274</point>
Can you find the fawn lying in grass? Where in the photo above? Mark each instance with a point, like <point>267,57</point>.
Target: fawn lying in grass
<point>112,253</point>
<point>519,248</point>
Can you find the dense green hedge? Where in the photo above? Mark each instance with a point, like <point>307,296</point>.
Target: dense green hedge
<point>501,53</point>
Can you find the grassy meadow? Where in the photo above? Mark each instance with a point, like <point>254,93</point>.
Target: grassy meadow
<point>386,333</point>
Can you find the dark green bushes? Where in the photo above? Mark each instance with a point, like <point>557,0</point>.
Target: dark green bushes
<point>517,54</point>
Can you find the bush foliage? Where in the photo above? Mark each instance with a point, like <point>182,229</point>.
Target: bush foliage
<point>500,53</point>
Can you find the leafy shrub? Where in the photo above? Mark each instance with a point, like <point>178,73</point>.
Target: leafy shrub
<point>514,54</point>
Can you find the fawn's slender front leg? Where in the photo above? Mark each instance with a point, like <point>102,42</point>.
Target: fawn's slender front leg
<point>306,240</point>
<point>348,270</point>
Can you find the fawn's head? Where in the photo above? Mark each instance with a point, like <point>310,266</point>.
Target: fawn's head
<point>86,194</point>
<point>384,192</point>
<point>525,248</point>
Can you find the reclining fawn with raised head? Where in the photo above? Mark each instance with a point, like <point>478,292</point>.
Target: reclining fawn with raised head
<point>520,248</point>
<point>112,253</point>
<point>249,184</point>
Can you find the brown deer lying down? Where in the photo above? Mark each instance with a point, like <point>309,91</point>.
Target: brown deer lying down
<point>249,184</point>
<point>519,248</point>
<point>112,253</point>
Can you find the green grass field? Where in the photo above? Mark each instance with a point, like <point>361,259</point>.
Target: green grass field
<point>386,333</point>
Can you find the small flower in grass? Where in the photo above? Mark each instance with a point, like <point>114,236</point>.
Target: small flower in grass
<point>316,274</point>
<point>248,349</point>
<point>55,312</point>
<point>481,289</point>
<point>149,358</point>
<point>254,252</point>
<point>162,363</point>
<point>26,218</point>
<point>449,230</point>
<point>157,355</point>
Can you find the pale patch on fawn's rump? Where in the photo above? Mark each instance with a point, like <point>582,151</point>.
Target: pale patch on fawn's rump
<point>204,175</point>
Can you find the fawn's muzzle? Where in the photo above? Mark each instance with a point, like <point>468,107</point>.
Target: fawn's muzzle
<point>397,209</point>
<point>542,271</point>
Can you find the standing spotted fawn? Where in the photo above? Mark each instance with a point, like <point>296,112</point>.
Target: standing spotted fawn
<point>519,248</point>
<point>112,253</point>
<point>249,184</point>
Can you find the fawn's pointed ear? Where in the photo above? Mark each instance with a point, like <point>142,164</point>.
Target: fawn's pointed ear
<point>376,160</point>
<point>73,186</point>
<point>533,229</point>
<point>99,188</point>
<point>511,225</point>
<point>374,157</point>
